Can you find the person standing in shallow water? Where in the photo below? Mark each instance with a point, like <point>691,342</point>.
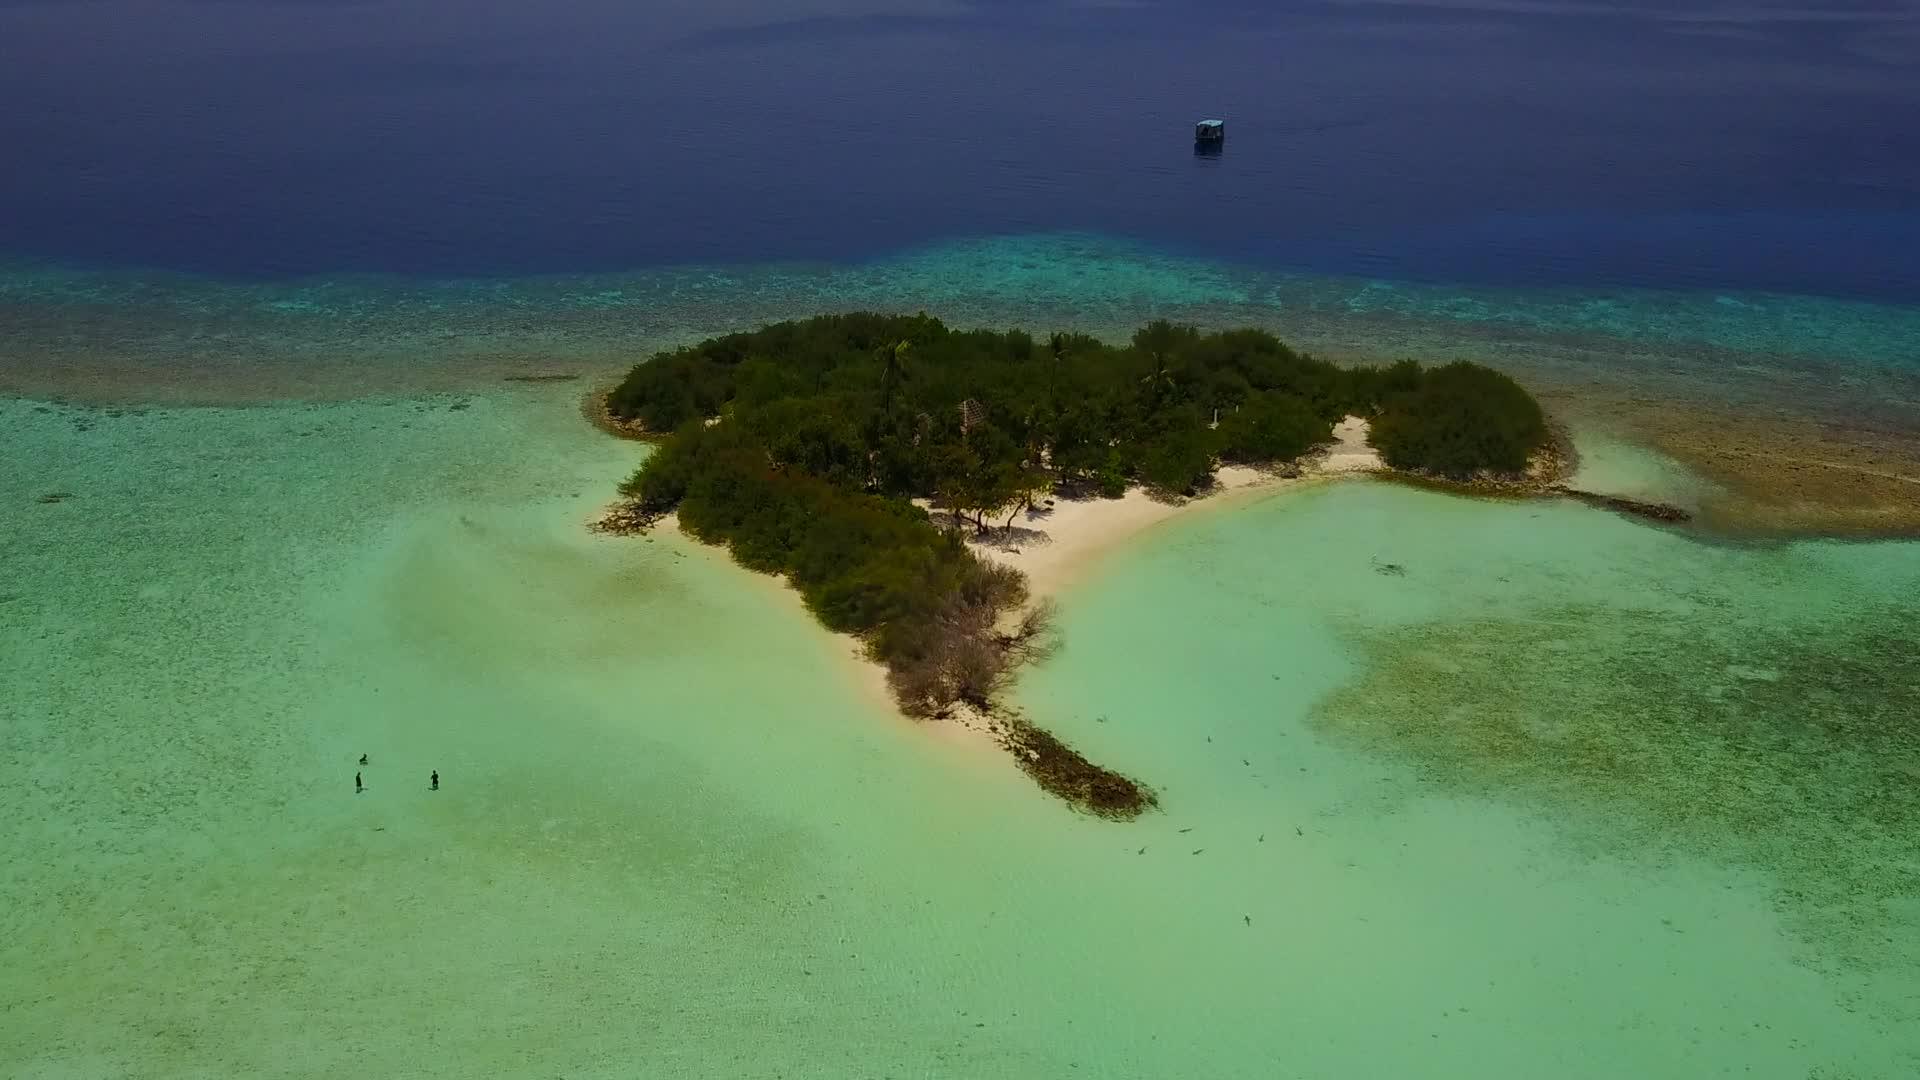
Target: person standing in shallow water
<point>433,783</point>
<point>357,786</point>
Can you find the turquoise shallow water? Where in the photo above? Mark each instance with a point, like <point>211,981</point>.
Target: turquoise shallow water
<point>1566,796</point>
<point>1653,696</point>
<point>674,840</point>
<point>114,336</point>
<point>1093,280</point>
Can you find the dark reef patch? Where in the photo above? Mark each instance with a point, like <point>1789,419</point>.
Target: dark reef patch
<point>1661,512</point>
<point>1788,746</point>
<point>1065,773</point>
<point>558,376</point>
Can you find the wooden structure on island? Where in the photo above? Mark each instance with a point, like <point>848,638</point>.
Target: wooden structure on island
<point>972,414</point>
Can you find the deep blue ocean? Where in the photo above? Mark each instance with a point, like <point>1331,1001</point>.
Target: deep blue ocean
<point>1750,144</point>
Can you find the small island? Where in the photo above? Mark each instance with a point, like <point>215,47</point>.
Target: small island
<point>856,455</point>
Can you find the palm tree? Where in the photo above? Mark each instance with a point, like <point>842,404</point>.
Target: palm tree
<point>1159,382</point>
<point>894,372</point>
<point>1157,340</point>
<point>1057,345</point>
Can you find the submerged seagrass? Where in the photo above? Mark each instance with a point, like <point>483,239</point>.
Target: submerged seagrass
<point>1784,740</point>
<point>632,727</point>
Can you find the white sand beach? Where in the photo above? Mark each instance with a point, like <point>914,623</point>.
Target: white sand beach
<point>1056,543</point>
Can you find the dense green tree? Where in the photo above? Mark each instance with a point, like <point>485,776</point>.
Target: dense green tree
<point>1271,426</point>
<point>1458,421</point>
<point>812,434</point>
<point>1179,456</point>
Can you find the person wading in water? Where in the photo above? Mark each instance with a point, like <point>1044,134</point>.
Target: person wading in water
<point>434,784</point>
<point>358,787</point>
